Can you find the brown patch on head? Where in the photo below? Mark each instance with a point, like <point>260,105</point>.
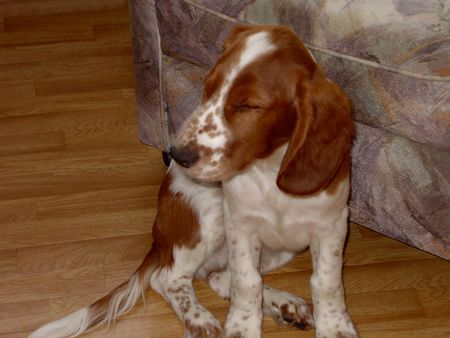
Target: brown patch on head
<point>212,83</point>
<point>291,100</point>
<point>232,46</point>
<point>233,36</point>
<point>260,117</point>
<point>260,106</point>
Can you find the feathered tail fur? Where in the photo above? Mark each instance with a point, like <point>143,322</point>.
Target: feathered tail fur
<point>105,310</point>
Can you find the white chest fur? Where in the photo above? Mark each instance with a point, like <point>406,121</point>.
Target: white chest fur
<point>282,221</point>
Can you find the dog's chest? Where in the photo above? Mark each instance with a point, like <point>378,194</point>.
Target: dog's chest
<point>282,221</point>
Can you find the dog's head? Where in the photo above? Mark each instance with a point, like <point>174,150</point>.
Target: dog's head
<point>265,90</point>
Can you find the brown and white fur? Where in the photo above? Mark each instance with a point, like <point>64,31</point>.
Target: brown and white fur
<point>276,132</point>
<point>188,241</point>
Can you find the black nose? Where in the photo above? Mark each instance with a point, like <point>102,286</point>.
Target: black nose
<point>184,156</point>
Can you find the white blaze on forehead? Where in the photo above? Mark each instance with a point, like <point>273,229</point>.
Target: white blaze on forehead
<point>256,45</point>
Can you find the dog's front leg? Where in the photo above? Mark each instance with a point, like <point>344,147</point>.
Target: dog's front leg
<point>330,313</point>
<point>244,249</point>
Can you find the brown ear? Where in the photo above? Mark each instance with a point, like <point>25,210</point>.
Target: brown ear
<point>321,139</point>
<point>234,34</point>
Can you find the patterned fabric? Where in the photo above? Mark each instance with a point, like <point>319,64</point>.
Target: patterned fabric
<point>392,57</point>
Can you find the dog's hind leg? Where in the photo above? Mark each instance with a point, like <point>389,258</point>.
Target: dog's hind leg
<point>175,285</point>
<point>189,232</point>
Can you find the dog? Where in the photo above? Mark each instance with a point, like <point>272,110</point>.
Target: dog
<point>188,240</point>
<point>261,172</point>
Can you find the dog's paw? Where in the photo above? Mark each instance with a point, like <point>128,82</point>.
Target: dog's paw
<point>210,330</point>
<point>202,325</point>
<point>297,315</point>
<point>288,309</point>
<point>243,324</point>
<point>336,327</point>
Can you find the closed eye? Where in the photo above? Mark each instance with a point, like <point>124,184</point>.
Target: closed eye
<point>244,107</point>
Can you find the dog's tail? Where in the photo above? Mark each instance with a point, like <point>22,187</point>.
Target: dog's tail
<point>105,310</point>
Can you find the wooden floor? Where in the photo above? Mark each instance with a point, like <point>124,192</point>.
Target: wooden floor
<point>78,191</point>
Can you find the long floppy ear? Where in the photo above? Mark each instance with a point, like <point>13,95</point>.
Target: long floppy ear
<point>321,139</point>
<point>234,34</point>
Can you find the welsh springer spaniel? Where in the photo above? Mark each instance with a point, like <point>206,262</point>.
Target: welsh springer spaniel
<point>277,134</point>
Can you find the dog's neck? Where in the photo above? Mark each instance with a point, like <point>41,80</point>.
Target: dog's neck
<point>273,161</point>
